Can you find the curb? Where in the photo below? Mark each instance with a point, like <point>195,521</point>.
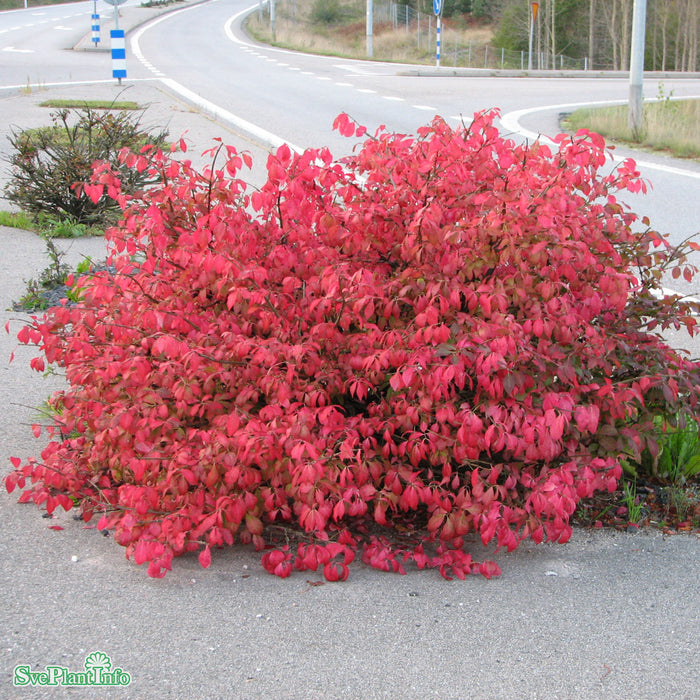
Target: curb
<point>451,72</point>
<point>130,18</point>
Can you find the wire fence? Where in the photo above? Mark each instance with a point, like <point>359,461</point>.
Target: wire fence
<point>420,28</point>
<point>458,52</point>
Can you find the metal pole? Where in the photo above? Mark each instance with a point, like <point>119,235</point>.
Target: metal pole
<point>272,20</point>
<point>637,66</point>
<point>532,34</point>
<point>370,29</point>
<point>437,48</point>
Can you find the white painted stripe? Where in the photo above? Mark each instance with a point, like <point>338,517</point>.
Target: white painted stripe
<point>266,137</point>
<point>254,130</point>
<point>511,123</point>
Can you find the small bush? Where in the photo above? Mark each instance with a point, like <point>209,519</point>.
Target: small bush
<point>441,335</point>
<point>327,12</point>
<point>49,164</point>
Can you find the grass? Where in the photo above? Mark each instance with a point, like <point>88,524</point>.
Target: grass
<point>661,491</point>
<point>299,26</point>
<point>91,104</point>
<point>48,227</point>
<point>17,220</point>
<point>671,126</point>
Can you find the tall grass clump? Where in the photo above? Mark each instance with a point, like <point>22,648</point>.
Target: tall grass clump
<point>668,125</point>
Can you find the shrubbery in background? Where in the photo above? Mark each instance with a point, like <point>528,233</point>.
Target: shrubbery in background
<point>441,335</point>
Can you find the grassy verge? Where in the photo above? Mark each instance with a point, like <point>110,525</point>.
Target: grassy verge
<point>671,126</point>
<point>338,28</point>
<point>91,104</point>
<point>17,220</point>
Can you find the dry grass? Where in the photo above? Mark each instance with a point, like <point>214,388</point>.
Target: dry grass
<point>669,125</point>
<point>295,29</point>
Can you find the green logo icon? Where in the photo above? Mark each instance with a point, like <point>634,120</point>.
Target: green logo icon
<point>98,671</point>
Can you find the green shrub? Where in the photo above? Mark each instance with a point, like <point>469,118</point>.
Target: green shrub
<point>678,458</point>
<point>49,163</point>
<point>327,12</point>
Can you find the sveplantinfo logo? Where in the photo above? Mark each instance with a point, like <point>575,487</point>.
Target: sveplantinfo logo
<point>98,671</point>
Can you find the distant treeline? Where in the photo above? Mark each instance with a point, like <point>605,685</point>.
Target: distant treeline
<point>598,29</point>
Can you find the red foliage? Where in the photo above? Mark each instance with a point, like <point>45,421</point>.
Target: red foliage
<point>447,329</point>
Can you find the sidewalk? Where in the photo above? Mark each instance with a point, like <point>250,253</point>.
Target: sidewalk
<point>607,616</point>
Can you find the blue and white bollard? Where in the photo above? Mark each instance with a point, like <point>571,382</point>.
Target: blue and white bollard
<point>437,8</point>
<point>95,29</point>
<point>118,54</point>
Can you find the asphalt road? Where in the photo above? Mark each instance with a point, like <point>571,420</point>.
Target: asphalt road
<point>607,616</point>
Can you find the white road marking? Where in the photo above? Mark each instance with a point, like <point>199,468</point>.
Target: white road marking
<point>266,137</point>
<point>511,122</point>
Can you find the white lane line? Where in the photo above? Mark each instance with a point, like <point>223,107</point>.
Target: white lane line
<point>367,91</point>
<point>511,123</point>
<point>322,77</point>
<point>391,98</point>
<point>425,108</point>
<point>266,137</point>
<point>344,84</point>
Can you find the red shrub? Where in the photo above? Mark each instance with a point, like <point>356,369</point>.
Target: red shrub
<point>447,332</point>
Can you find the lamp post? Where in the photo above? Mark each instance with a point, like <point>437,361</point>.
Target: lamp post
<point>370,29</point>
<point>639,17</point>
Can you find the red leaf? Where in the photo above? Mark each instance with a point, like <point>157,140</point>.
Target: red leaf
<point>205,558</point>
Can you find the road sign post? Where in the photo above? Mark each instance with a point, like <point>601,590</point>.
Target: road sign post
<point>534,8</point>
<point>95,24</point>
<point>437,9</point>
